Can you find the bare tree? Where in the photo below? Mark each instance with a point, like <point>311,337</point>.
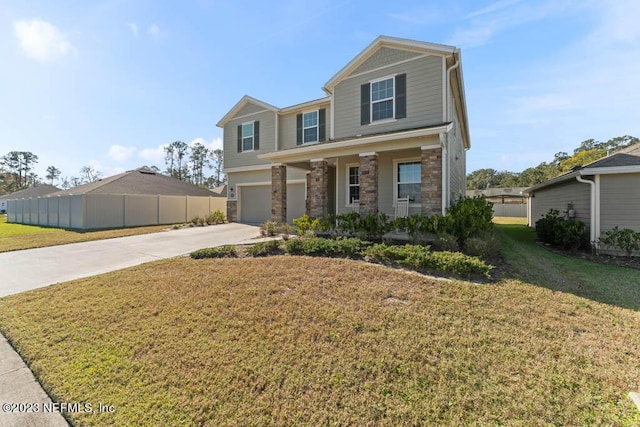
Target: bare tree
<point>90,174</point>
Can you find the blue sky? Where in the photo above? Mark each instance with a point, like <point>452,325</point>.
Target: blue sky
<point>107,83</point>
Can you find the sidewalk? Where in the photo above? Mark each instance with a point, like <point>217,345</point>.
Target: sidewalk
<point>36,268</point>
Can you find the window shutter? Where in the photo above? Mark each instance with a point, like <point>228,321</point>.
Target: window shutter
<point>401,96</point>
<point>256,135</point>
<point>299,129</point>
<point>365,98</point>
<point>322,128</point>
<point>239,138</point>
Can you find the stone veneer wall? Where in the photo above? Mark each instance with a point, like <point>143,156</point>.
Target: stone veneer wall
<point>232,210</point>
<point>432,181</point>
<point>279,193</point>
<point>368,184</point>
<point>318,189</point>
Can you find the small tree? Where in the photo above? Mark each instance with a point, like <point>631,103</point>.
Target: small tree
<point>52,173</point>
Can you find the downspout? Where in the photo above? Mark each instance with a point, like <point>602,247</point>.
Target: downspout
<point>446,161</point>
<point>592,232</point>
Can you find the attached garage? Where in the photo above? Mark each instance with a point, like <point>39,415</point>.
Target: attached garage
<point>255,203</point>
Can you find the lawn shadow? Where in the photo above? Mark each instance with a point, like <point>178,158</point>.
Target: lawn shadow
<point>531,263</point>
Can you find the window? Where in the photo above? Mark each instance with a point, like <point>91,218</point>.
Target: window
<point>310,126</point>
<point>353,183</point>
<point>408,181</point>
<point>382,100</point>
<point>249,136</point>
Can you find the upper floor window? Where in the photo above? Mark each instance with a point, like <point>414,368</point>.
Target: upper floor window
<point>383,99</point>
<point>249,136</point>
<point>310,127</point>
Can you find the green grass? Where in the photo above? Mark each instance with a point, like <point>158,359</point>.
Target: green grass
<point>531,263</point>
<point>313,341</point>
<point>15,237</point>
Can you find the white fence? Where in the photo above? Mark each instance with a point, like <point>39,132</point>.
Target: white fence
<point>94,211</point>
<point>510,209</point>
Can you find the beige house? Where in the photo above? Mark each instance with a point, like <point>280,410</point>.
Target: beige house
<point>393,124</point>
<point>602,194</point>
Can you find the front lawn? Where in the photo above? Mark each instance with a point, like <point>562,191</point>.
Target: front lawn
<point>15,237</point>
<point>290,340</point>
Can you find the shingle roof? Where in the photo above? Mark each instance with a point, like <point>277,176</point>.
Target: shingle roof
<point>139,181</point>
<point>39,190</point>
<point>629,156</point>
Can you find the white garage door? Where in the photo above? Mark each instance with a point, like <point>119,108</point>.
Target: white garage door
<point>255,204</point>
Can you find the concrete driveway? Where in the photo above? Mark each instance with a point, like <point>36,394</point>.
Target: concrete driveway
<point>35,268</point>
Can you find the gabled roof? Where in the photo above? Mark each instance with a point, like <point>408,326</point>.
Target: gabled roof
<point>241,104</point>
<point>391,42</point>
<point>626,160</point>
<point>39,190</point>
<point>139,181</point>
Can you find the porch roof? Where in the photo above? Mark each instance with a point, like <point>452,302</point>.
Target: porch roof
<point>359,144</point>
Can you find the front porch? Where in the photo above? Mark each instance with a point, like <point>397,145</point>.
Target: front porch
<point>375,179</point>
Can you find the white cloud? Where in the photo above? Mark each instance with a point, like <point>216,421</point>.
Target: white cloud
<point>154,155</point>
<point>42,40</point>
<point>121,153</point>
<point>134,28</point>
<point>212,145</point>
<point>154,30</point>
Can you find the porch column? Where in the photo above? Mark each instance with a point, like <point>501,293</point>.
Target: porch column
<point>279,193</point>
<point>368,183</point>
<point>431,181</point>
<point>318,188</point>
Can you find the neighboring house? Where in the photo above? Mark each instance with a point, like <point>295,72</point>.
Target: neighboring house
<point>134,198</point>
<point>35,191</point>
<point>393,125</point>
<point>506,201</point>
<point>602,194</point>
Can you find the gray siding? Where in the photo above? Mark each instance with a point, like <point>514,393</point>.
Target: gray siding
<point>424,98</point>
<point>559,196</point>
<point>267,140</point>
<point>383,57</point>
<point>287,126</point>
<point>249,109</point>
<point>457,163</point>
<point>620,201</point>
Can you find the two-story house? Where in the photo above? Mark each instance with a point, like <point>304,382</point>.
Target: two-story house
<point>393,125</point>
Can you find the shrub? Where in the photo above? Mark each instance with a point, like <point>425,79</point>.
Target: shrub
<point>198,220</point>
<point>350,248</point>
<point>216,217</point>
<point>447,242</point>
<point>486,247</point>
<point>271,247</point>
<point>626,239</point>
<point>305,223</point>
<point>226,251</point>
<point>569,234</point>
<point>545,226</point>
<point>309,246</point>
<point>469,217</point>
<point>421,258</point>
